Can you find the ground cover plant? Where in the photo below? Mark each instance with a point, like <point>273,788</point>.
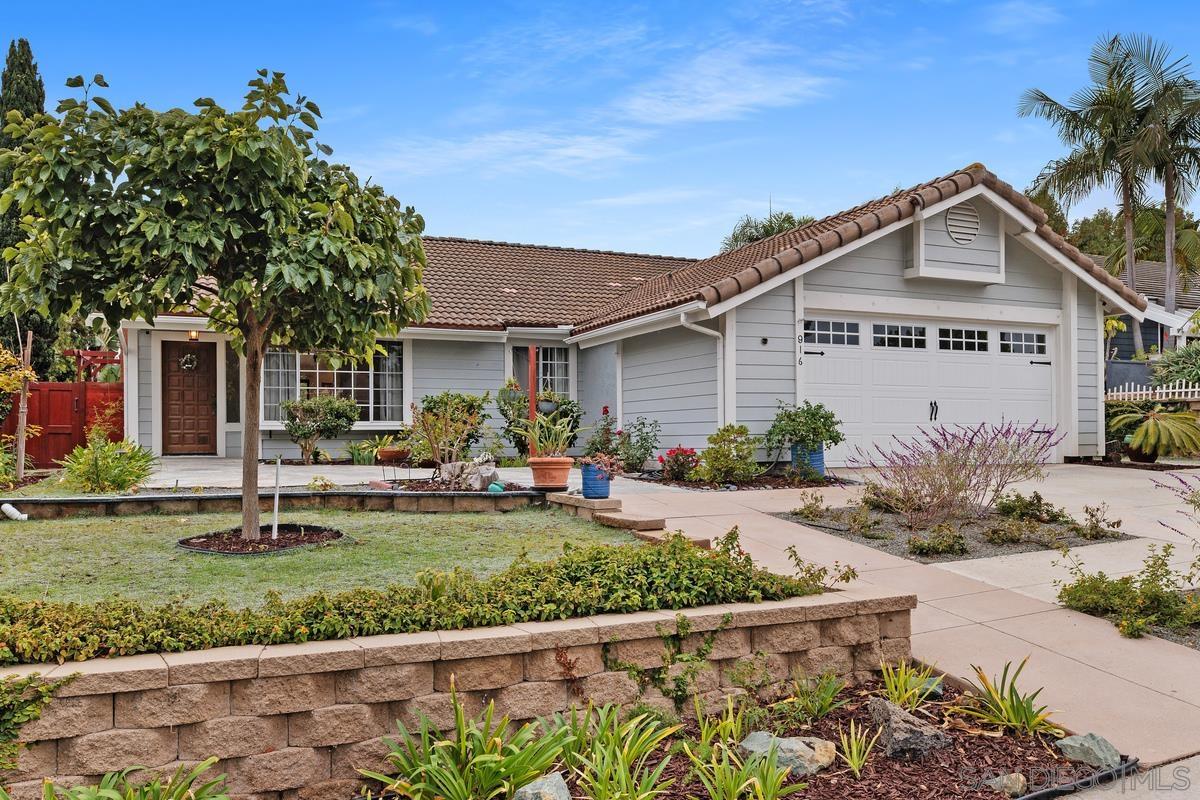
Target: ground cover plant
<point>581,581</point>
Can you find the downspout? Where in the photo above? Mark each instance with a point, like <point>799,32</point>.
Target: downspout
<point>691,326</point>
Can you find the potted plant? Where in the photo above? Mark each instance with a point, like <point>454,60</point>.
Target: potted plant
<point>808,429</point>
<point>547,402</point>
<point>598,471</point>
<point>1155,431</point>
<point>549,438</point>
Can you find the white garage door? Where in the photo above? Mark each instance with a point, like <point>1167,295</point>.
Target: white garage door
<point>889,377</point>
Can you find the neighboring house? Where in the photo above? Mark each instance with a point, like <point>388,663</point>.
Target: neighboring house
<point>1158,325</point>
<point>951,302</point>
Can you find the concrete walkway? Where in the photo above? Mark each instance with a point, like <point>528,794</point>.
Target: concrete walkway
<point>1144,695</point>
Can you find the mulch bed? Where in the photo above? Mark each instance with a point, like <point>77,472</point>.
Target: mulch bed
<point>291,535</point>
<point>427,485</point>
<point>761,482</point>
<point>28,480</point>
<point>1155,467</point>
<point>956,772</point>
<point>891,536</point>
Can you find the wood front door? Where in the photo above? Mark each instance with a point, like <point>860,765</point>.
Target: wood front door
<point>189,377</point>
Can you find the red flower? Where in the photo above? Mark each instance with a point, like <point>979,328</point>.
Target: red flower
<point>604,411</point>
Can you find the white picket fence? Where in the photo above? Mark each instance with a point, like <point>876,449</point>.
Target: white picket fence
<point>1179,390</point>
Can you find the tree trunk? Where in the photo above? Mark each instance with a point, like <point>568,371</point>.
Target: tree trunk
<point>251,424</point>
<point>1131,260</point>
<point>1172,276</point>
<point>23,407</point>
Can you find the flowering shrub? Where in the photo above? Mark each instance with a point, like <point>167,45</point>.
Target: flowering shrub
<point>678,463</point>
<point>604,438</point>
<point>729,456</point>
<point>953,471</point>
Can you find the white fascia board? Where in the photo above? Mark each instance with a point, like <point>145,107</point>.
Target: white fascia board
<point>962,275</point>
<point>1040,246</point>
<point>468,334</point>
<point>808,266</point>
<point>168,322</point>
<point>656,321</point>
<point>555,332</point>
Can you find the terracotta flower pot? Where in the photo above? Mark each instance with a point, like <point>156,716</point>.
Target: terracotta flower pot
<point>550,472</point>
<point>392,455</point>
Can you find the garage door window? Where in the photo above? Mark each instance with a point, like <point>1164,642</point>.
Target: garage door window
<point>963,339</point>
<point>827,331</point>
<point>909,337</point>
<point>1023,343</point>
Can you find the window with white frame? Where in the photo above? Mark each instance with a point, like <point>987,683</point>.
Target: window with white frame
<point>377,388</point>
<point>1023,343</point>
<point>828,331</point>
<point>554,373</point>
<point>903,336</point>
<point>971,340</point>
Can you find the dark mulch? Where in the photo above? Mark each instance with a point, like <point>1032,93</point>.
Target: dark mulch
<point>1155,467</point>
<point>954,773</point>
<point>290,535</point>
<point>891,536</point>
<point>761,482</point>
<point>1188,637</point>
<point>28,480</point>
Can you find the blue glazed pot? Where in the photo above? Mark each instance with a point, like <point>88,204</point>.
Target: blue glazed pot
<point>815,459</point>
<point>595,483</point>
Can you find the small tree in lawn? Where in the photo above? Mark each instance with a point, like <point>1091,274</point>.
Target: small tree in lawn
<point>234,214</point>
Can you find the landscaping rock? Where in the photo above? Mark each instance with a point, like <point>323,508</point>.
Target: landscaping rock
<point>804,755</point>
<point>901,734</point>
<point>1090,749</point>
<point>547,787</point>
<point>1013,784</point>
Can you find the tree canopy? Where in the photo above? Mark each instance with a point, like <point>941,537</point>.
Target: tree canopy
<point>751,229</point>
<point>135,212</point>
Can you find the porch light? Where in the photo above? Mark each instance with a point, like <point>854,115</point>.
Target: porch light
<point>193,336</point>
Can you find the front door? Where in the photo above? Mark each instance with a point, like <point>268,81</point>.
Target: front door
<point>189,398</point>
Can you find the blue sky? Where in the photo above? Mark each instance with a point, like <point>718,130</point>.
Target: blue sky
<point>640,126</point>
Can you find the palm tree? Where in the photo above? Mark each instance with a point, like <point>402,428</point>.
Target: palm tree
<point>1168,143</point>
<point>1099,123</point>
<point>749,229</point>
<point>1150,229</point>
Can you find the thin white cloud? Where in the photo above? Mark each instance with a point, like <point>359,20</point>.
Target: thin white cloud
<point>722,83</point>
<point>421,24</point>
<point>650,197</point>
<point>1020,18</point>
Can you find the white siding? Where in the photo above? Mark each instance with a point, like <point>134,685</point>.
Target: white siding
<point>981,255</point>
<point>671,376</point>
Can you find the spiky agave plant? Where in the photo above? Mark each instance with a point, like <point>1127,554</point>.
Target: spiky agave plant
<point>1160,431</point>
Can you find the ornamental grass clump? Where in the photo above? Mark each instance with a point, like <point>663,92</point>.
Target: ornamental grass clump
<point>951,472</point>
<point>582,582</point>
<point>107,466</point>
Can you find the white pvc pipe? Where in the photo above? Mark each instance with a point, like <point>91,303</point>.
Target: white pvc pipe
<point>12,513</point>
<point>275,516</point>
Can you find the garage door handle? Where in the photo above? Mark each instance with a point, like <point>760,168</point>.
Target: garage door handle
<point>814,352</point>
<point>1043,363</point>
<point>931,411</point>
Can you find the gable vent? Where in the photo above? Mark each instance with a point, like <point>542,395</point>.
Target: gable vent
<point>962,223</point>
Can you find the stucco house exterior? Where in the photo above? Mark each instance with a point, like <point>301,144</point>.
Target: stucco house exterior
<point>950,302</point>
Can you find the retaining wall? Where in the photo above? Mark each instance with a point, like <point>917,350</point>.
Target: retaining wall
<point>294,722</point>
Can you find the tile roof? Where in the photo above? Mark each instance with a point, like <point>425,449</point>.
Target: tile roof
<point>1152,282</point>
<point>723,276</point>
<point>494,285</point>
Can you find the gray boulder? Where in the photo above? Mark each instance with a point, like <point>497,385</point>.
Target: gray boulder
<point>547,787</point>
<point>1013,784</point>
<point>804,755</point>
<point>1090,749</point>
<point>901,734</point>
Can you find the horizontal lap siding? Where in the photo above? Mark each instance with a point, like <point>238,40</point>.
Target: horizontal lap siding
<point>467,367</point>
<point>765,372</point>
<point>1090,417</point>
<point>981,255</point>
<point>671,376</point>
<point>877,269</point>
<point>145,418</point>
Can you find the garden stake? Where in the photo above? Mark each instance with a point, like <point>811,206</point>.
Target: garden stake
<point>275,515</point>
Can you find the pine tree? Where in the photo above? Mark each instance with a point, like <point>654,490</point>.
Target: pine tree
<point>21,90</point>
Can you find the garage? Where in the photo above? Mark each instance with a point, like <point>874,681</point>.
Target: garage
<point>889,376</point>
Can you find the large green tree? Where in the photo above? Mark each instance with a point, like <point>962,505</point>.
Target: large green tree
<point>751,229</point>
<point>1098,124</point>
<point>21,90</point>
<point>135,212</point>
<point>1098,234</point>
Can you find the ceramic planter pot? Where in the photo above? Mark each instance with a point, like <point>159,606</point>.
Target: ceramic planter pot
<point>392,455</point>
<point>547,406</point>
<point>814,459</point>
<point>550,472</point>
<point>596,483</point>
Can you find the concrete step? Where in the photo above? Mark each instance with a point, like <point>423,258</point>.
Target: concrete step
<point>629,522</point>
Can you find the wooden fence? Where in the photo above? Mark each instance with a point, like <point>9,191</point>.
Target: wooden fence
<point>1179,391</point>
<point>64,412</point>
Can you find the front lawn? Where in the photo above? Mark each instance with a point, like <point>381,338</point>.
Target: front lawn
<point>88,559</point>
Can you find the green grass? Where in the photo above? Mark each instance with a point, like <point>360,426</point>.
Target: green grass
<point>87,559</point>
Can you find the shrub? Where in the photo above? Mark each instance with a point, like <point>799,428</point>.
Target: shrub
<point>1000,702</point>
<point>812,506</point>
<point>1158,431</point>
<point>106,466</point>
<point>637,442</point>
<point>458,404</point>
<point>1034,507</point>
<point>446,424</point>
<point>729,456</point>
<point>1180,364</point>
<point>810,425</point>
<point>952,471</point>
<point>678,462</point>
<point>513,404</point>
<point>1012,531</point>
<point>943,540</point>
<point>581,582</point>
<point>311,419</point>
<point>1096,524</point>
<point>604,435</point>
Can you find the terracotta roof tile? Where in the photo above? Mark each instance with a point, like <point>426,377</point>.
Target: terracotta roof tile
<point>493,285</point>
<point>1152,282</point>
<point>723,276</point>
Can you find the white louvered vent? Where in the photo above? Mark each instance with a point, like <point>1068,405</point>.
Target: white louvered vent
<point>962,223</point>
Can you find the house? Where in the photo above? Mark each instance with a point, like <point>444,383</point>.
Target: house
<point>950,302</point>
<point>1158,326</point>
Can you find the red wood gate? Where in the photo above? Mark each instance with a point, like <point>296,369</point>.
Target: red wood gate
<point>64,412</point>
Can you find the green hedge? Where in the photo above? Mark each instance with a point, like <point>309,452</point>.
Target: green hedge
<point>583,581</point>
